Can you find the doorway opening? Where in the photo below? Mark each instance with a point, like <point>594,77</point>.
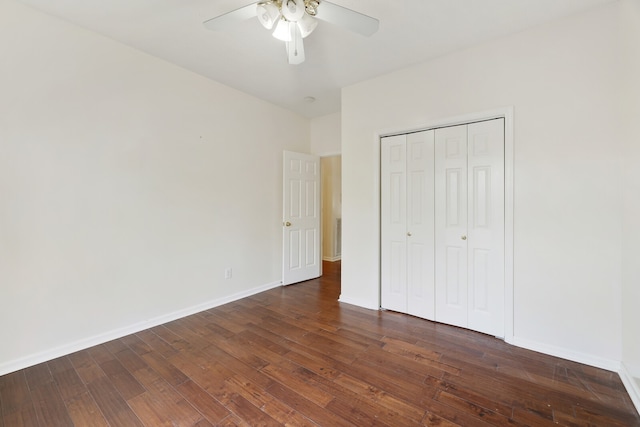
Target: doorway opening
<point>331,173</point>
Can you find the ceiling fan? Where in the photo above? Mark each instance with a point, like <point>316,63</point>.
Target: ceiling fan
<point>293,20</point>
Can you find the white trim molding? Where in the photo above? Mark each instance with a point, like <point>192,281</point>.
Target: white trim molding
<point>568,354</point>
<point>65,349</point>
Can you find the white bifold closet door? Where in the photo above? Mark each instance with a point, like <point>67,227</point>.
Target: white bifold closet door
<point>469,226</point>
<point>407,224</point>
<point>442,217</point>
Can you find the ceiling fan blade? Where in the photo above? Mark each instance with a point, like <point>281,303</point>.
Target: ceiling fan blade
<point>229,19</point>
<point>347,18</point>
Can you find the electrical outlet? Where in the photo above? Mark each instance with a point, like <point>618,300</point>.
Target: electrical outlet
<point>228,273</point>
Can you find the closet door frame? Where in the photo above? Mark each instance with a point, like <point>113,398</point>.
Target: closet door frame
<point>507,113</point>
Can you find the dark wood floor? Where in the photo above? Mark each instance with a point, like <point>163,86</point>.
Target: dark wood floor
<point>296,356</point>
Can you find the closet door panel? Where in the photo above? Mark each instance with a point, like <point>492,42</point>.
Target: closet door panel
<point>451,225</point>
<point>394,223</point>
<point>420,225</point>
<point>486,227</point>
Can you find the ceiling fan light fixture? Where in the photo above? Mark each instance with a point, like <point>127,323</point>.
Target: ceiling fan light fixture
<point>268,14</point>
<point>283,30</point>
<point>293,10</point>
<point>292,20</point>
<point>307,24</point>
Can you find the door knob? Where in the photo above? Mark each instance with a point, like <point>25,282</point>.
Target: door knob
<point>409,234</point>
<point>287,224</point>
<point>464,237</point>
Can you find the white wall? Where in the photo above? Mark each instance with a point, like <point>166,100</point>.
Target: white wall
<point>127,186</point>
<point>630,13</point>
<point>563,80</point>
<point>325,135</point>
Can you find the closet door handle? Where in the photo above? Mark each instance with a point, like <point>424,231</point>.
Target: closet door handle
<point>464,237</point>
<point>408,233</point>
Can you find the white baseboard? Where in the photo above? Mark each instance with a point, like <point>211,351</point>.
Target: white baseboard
<point>631,384</point>
<point>331,259</point>
<point>564,353</point>
<point>65,349</point>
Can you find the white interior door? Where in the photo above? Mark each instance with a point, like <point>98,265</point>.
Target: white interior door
<point>394,223</point>
<point>469,167</point>
<point>420,225</point>
<point>451,225</point>
<point>301,259</point>
<point>486,227</point>
<point>407,270</point>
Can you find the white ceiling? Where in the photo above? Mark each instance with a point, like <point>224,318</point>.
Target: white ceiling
<point>247,58</point>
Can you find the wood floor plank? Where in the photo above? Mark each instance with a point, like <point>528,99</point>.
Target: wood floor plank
<point>309,409</point>
<point>224,321</point>
<point>182,330</point>
<point>155,343</point>
<point>260,398</point>
<point>164,368</point>
<point>209,407</point>
<point>237,366</point>
<point>138,346</point>
<point>366,339</point>
<point>84,411</point>
<point>504,393</point>
<point>60,364</point>
<point>101,354</point>
<point>163,399</point>
<point>286,373</point>
<point>121,378</point>
<point>233,421</point>
<point>484,401</point>
<point>87,368</point>
<point>364,408</point>
<point>252,415</point>
<point>22,416</point>
<point>173,339</point>
<point>113,406</point>
<point>296,356</point>
<point>49,406</point>
<point>241,349</point>
<point>212,378</point>
<point>69,383</point>
<point>307,356</point>
<point>411,392</point>
<point>130,360</point>
<point>353,412</point>
<point>380,397</point>
<point>492,417</point>
<point>37,376</point>
<point>530,418</point>
<point>115,346</point>
<point>14,392</point>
